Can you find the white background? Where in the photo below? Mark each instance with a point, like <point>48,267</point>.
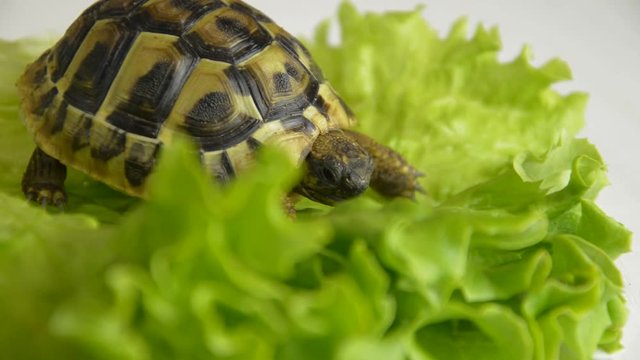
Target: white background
<point>600,39</point>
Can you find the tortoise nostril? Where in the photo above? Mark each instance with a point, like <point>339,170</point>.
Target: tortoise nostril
<point>354,178</point>
<point>357,182</point>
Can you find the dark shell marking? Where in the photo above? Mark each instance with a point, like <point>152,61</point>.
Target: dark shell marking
<point>139,163</point>
<point>128,74</point>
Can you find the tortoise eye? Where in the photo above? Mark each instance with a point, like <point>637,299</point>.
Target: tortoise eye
<point>330,175</point>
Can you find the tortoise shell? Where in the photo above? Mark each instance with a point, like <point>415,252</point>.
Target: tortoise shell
<point>130,74</point>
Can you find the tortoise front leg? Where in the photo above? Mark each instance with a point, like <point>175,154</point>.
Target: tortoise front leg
<point>392,175</point>
<point>289,204</point>
<point>43,181</point>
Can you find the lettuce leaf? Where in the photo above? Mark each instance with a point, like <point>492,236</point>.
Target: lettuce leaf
<point>507,256</point>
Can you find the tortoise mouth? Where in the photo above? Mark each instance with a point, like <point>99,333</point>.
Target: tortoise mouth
<point>331,196</point>
<point>323,198</point>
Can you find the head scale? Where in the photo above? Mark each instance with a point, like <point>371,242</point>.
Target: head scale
<point>337,168</point>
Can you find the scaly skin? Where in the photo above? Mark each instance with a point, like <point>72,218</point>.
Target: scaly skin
<point>392,175</point>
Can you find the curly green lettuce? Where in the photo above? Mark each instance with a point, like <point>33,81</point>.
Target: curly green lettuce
<point>507,256</point>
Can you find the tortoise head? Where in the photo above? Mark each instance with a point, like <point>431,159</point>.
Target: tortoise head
<point>337,168</point>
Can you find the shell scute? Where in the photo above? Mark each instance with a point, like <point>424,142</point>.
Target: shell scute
<point>173,17</point>
<point>96,63</point>
<point>251,11</point>
<point>114,8</point>
<point>228,35</point>
<point>279,83</point>
<point>63,52</point>
<point>107,142</point>
<point>212,108</point>
<point>148,84</point>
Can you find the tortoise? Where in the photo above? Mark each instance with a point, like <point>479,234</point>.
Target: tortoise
<point>128,75</point>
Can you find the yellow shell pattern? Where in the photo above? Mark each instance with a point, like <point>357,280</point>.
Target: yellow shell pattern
<point>129,74</point>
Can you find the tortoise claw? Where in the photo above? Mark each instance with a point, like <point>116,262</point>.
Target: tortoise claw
<point>413,185</point>
<point>413,191</point>
<point>46,195</point>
